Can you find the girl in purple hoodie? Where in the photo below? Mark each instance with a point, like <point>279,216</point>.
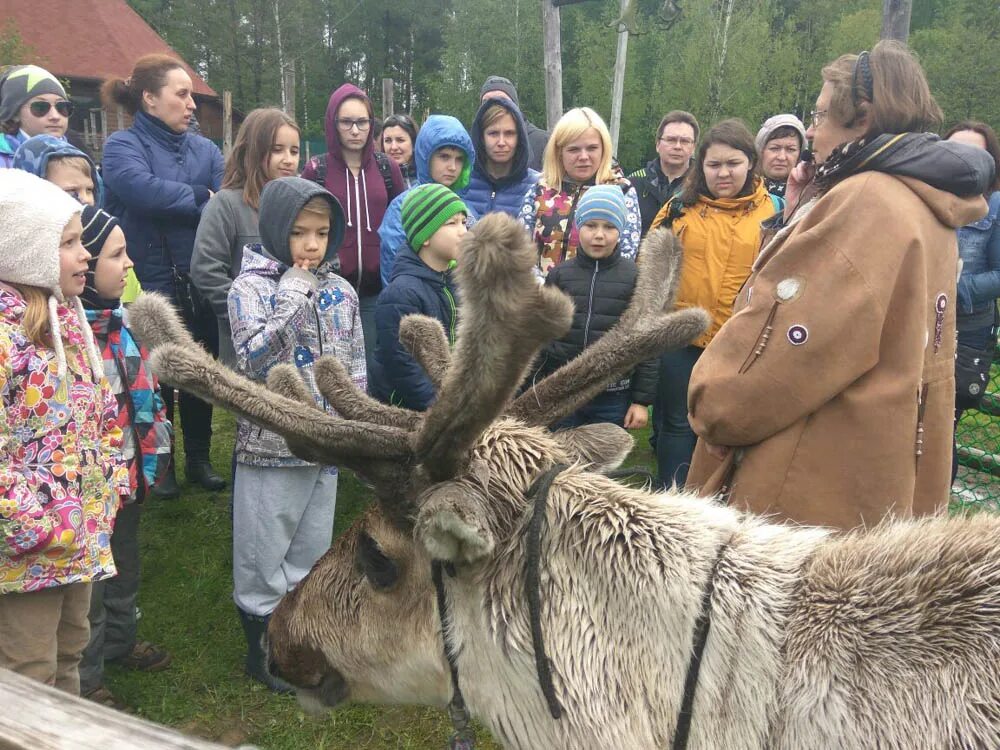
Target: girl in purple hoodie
<point>364,181</point>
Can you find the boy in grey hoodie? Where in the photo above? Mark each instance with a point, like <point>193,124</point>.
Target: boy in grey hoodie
<point>286,306</point>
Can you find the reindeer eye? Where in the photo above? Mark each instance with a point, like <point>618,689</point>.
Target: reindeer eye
<point>380,570</point>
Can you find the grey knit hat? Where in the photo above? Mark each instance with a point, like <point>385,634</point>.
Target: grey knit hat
<point>499,83</point>
<point>779,121</point>
<point>24,82</point>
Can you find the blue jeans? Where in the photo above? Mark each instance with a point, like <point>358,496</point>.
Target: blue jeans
<point>675,440</point>
<point>610,406</point>
<point>366,307</point>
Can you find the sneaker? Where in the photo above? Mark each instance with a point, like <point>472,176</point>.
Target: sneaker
<point>104,697</point>
<point>145,657</point>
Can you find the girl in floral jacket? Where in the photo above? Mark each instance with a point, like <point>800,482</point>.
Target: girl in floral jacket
<point>61,472</point>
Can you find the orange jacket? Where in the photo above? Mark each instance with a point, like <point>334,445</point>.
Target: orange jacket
<point>721,239</point>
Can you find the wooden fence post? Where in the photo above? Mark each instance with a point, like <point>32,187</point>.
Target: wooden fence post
<point>896,19</point>
<point>388,105</point>
<point>552,62</point>
<point>227,122</point>
<point>618,84</point>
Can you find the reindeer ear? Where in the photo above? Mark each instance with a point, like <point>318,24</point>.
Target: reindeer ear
<point>452,523</point>
<point>602,445</point>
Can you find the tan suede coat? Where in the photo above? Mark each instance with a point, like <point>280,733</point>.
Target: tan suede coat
<point>834,379</point>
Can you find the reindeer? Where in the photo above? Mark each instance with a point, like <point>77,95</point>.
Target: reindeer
<point>572,610</point>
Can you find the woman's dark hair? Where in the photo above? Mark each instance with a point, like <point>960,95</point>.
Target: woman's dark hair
<point>402,121</point>
<point>733,133</point>
<point>149,74</point>
<point>992,143</point>
<point>246,167</point>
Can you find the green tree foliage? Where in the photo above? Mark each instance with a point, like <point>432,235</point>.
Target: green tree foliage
<point>721,58</point>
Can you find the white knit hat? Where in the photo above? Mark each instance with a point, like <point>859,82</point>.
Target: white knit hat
<point>779,121</point>
<point>33,215</point>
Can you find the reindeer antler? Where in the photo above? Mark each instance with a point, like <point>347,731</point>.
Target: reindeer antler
<point>506,316</point>
<point>425,339</point>
<point>644,331</point>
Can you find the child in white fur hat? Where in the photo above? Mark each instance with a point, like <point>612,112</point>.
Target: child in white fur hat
<point>61,471</point>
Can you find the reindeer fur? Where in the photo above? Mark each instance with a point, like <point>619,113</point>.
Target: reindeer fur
<point>425,339</point>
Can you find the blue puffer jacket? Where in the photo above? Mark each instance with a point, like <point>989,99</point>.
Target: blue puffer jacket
<point>8,147</point>
<point>485,194</point>
<point>157,183</point>
<point>979,248</point>
<point>436,132</point>
<point>415,288</point>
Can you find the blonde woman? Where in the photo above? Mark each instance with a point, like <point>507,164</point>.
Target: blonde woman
<point>577,157</point>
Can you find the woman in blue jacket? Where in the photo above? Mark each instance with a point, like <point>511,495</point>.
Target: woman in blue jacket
<point>501,176</point>
<point>158,178</point>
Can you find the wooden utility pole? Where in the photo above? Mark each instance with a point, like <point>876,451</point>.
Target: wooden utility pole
<point>227,123</point>
<point>618,83</point>
<point>388,105</point>
<point>552,62</point>
<point>288,89</point>
<point>896,19</point>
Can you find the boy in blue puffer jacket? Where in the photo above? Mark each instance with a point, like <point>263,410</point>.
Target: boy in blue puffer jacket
<point>433,218</point>
<point>444,154</point>
<point>501,176</point>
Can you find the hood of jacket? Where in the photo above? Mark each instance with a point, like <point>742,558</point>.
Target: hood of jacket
<point>439,131</point>
<point>280,203</point>
<point>334,150</point>
<point>408,263</point>
<point>946,165</point>
<point>519,162</point>
<point>34,154</point>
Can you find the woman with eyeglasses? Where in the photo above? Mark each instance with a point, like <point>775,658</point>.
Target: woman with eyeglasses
<point>159,177</point>
<point>829,395</point>
<point>364,181</point>
<point>399,133</point>
<point>32,102</point>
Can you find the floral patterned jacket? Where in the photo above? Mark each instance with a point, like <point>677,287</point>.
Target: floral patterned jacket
<point>277,319</point>
<point>548,215</point>
<point>61,471</point>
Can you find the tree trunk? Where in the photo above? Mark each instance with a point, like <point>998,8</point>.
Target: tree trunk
<point>721,53</point>
<point>896,19</point>
<point>618,85</point>
<point>552,57</point>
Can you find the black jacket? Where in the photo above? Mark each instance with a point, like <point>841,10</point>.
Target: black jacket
<point>601,291</point>
<point>654,189</point>
<point>538,139</point>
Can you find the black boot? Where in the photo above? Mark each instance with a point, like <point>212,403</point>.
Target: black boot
<point>200,471</point>
<point>254,628</point>
<point>167,489</point>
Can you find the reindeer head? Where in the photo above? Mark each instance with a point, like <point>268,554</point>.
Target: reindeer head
<point>450,482</point>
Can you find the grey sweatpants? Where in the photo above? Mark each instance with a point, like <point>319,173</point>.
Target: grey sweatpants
<point>282,524</point>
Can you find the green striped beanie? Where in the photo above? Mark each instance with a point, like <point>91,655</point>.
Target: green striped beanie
<point>425,210</point>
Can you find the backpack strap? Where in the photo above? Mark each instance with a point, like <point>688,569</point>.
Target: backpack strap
<point>385,169</point>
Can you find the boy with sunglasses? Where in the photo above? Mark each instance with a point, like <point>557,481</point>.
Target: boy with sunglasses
<point>32,102</point>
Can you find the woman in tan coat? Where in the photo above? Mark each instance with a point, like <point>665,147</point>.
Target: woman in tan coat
<point>828,397</point>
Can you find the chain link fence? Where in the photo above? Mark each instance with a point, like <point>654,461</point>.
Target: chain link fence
<point>977,485</point>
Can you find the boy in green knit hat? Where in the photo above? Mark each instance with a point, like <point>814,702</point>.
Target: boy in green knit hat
<point>433,219</point>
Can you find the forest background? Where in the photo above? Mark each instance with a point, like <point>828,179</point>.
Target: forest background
<point>719,58</point>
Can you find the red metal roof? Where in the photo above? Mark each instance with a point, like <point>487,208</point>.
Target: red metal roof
<point>87,38</point>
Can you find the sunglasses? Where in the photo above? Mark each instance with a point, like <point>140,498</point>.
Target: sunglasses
<point>40,108</point>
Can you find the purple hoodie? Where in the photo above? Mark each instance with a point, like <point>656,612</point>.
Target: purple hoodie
<point>363,197</point>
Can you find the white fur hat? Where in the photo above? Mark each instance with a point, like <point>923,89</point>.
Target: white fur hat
<point>33,214</point>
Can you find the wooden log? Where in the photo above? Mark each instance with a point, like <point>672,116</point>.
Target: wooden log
<point>979,459</point>
<point>227,123</point>
<point>552,63</point>
<point>618,84</point>
<point>896,19</point>
<point>39,717</point>
<point>388,105</point>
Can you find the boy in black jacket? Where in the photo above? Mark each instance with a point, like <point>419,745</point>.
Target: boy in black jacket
<point>600,282</point>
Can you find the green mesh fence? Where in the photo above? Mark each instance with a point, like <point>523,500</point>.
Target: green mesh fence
<point>977,486</point>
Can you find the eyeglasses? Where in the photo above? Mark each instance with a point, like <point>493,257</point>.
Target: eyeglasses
<point>40,107</point>
<point>346,123</point>
<point>677,141</point>
<point>816,117</point>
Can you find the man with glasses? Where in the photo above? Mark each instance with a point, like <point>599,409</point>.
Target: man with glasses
<point>662,177</point>
<point>32,102</point>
